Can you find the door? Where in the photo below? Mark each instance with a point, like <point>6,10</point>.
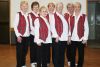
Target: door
<point>94,24</point>
<point>91,20</point>
<point>4,22</point>
<point>97,24</point>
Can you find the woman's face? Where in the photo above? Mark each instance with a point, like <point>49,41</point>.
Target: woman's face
<point>51,8</point>
<point>77,7</point>
<point>70,8</point>
<point>43,12</point>
<point>35,8</point>
<point>24,7</point>
<point>59,7</point>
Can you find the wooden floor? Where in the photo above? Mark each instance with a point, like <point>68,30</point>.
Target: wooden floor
<point>8,57</point>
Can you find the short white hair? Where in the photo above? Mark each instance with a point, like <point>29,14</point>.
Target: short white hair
<point>23,2</point>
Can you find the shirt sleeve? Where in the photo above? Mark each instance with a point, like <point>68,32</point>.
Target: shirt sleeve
<point>16,22</point>
<point>36,31</point>
<point>86,29</point>
<point>54,30</point>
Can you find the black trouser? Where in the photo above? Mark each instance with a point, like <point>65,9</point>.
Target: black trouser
<point>59,55</point>
<point>48,53</point>
<point>42,55</point>
<point>33,50</point>
<point>54,44</point>
<point>68,52</point>
<point>21,51</point>
<point>74,46</point>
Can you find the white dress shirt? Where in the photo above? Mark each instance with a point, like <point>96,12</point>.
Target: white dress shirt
<point>36,31</point>
<point>16,22</point>
<point>52,25</point>
<point>64,36</point>
<point>86,29</point>
<point>31,23</point>
<point>69,31</point>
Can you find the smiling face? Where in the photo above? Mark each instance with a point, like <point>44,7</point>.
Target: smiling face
<point>70,8</point>
<point>77,7</point>
<point>51,7</point>
<point>24,6</point>
<point>59,7</point>
<point>43,11</point>
<point>35,7</point>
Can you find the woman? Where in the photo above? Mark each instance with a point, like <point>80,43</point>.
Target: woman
<point>42,37</point>
<point>79,36</point>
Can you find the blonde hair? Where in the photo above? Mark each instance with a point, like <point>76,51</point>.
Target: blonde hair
<point>69,4</point>
<point>78,3</point>
<point>23,2</point>
<point>42,7</point>
<point>59,3</point>
<point>52,4</point>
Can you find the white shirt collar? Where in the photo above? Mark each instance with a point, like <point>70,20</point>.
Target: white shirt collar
<point>80,14</point>
<point>58,14</point>
<point>23,13</point>
<point>35,14</point>
<point>43,18</point>
<point>68,13</point>
<point>51,13</point>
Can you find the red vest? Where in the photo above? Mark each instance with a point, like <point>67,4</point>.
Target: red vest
<point>22,24</point>
<point>47,17</point>
<point>58,25</point>
<point>33,18</point>
<point>43,30</point>
<point>80,27</point>
<point>70,22</point>
<point>66,15</point>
